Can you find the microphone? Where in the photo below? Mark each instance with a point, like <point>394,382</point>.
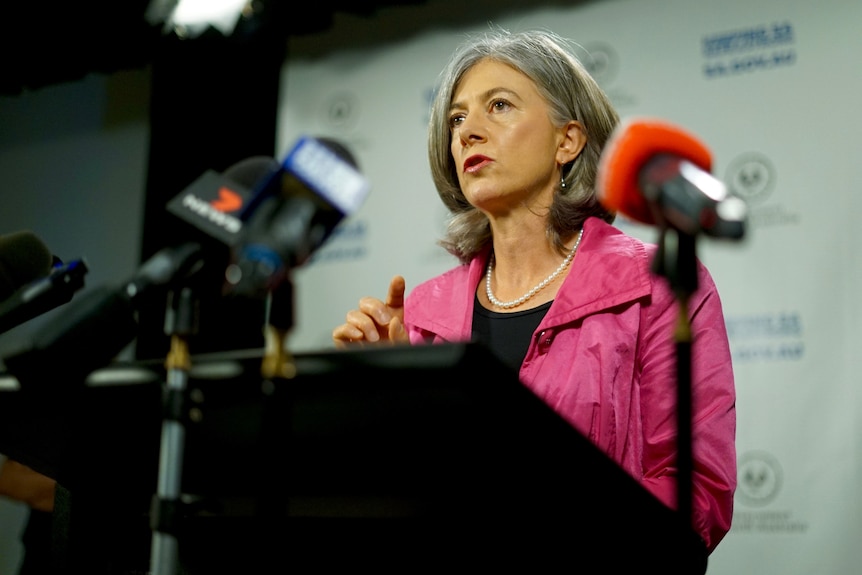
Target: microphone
<point>656,173</point>
<point>96,327</point>
<point>293,212</point>
<point>42,295</point>
<point>214,202</point>
<point>23,259</point>
<point>212,206</point>
<point>164,268</point>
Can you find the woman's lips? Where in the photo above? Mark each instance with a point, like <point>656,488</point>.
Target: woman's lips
<point>475,163</point>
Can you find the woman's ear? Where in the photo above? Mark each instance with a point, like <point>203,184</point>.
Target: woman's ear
<point>573,141</point>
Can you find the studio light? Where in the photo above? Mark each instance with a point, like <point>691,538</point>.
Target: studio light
<point>190,18</point>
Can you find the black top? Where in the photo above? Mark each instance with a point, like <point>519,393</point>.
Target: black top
<point>507,335</point>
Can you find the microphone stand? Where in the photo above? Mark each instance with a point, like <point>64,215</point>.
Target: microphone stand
<point>166,510</point>
<point>277,366</point>
<point>277,362</point>
<point>676,260</point>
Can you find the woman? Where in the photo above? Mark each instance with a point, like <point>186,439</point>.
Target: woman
<point>516,132</point>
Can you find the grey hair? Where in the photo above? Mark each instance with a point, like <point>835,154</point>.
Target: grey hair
<point>571,93</point>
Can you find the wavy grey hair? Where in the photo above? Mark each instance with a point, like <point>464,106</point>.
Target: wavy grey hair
<point>571,93</point>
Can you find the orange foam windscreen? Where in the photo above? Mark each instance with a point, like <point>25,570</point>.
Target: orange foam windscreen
<point>633,143</point>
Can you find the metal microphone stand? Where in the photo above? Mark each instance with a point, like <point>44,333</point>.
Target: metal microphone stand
<point>277,366</point>
<point>676,259</point>
<point>166,511</point>
<point>277,361</point>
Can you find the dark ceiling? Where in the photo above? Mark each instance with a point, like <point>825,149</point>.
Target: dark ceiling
<point>53,41</point>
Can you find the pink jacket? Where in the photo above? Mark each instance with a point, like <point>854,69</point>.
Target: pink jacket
<point>604,358</point>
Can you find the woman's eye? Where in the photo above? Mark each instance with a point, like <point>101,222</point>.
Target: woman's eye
<point>455,120</point>
<point>499,105</point>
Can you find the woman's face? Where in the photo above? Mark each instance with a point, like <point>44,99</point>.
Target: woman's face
<point>505,148</point>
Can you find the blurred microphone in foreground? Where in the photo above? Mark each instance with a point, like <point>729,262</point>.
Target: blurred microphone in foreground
<point>293,212</point>
<point>96,327</point>
<point>214,202</point>
<point>657,174</point>
<point>32,280</point>
<point>43,295</point>
<point>273,216</point>
<point>23,259</point>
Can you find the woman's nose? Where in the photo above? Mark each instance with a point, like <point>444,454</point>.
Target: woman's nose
<point>472,129</point>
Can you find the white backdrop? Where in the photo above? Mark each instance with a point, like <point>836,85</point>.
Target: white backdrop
<point>773,88</point>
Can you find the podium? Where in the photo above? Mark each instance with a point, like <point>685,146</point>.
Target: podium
<point>397,459</point>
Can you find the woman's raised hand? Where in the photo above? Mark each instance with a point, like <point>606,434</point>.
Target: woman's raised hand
<point>375,321</point>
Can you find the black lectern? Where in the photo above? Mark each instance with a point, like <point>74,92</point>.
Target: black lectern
<point>397,459</point>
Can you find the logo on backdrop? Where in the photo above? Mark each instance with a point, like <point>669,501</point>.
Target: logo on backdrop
<point>766,337</point>
<point>602,62</point>
<point>748,50</point>
<point>760,480</point>
<point>341,112</point>
<point>348,242</point>
<point>752,177</point>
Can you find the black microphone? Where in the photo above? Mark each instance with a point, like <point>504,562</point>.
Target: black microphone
<point>656,173</point>
<point>163,270</point>
<point>43,295</point>
<point>94,329</point>
<point>23,259</point>
<point>293,212</point>
<point>214,202</point>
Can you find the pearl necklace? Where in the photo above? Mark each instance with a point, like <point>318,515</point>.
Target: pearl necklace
<point>535,290</point>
